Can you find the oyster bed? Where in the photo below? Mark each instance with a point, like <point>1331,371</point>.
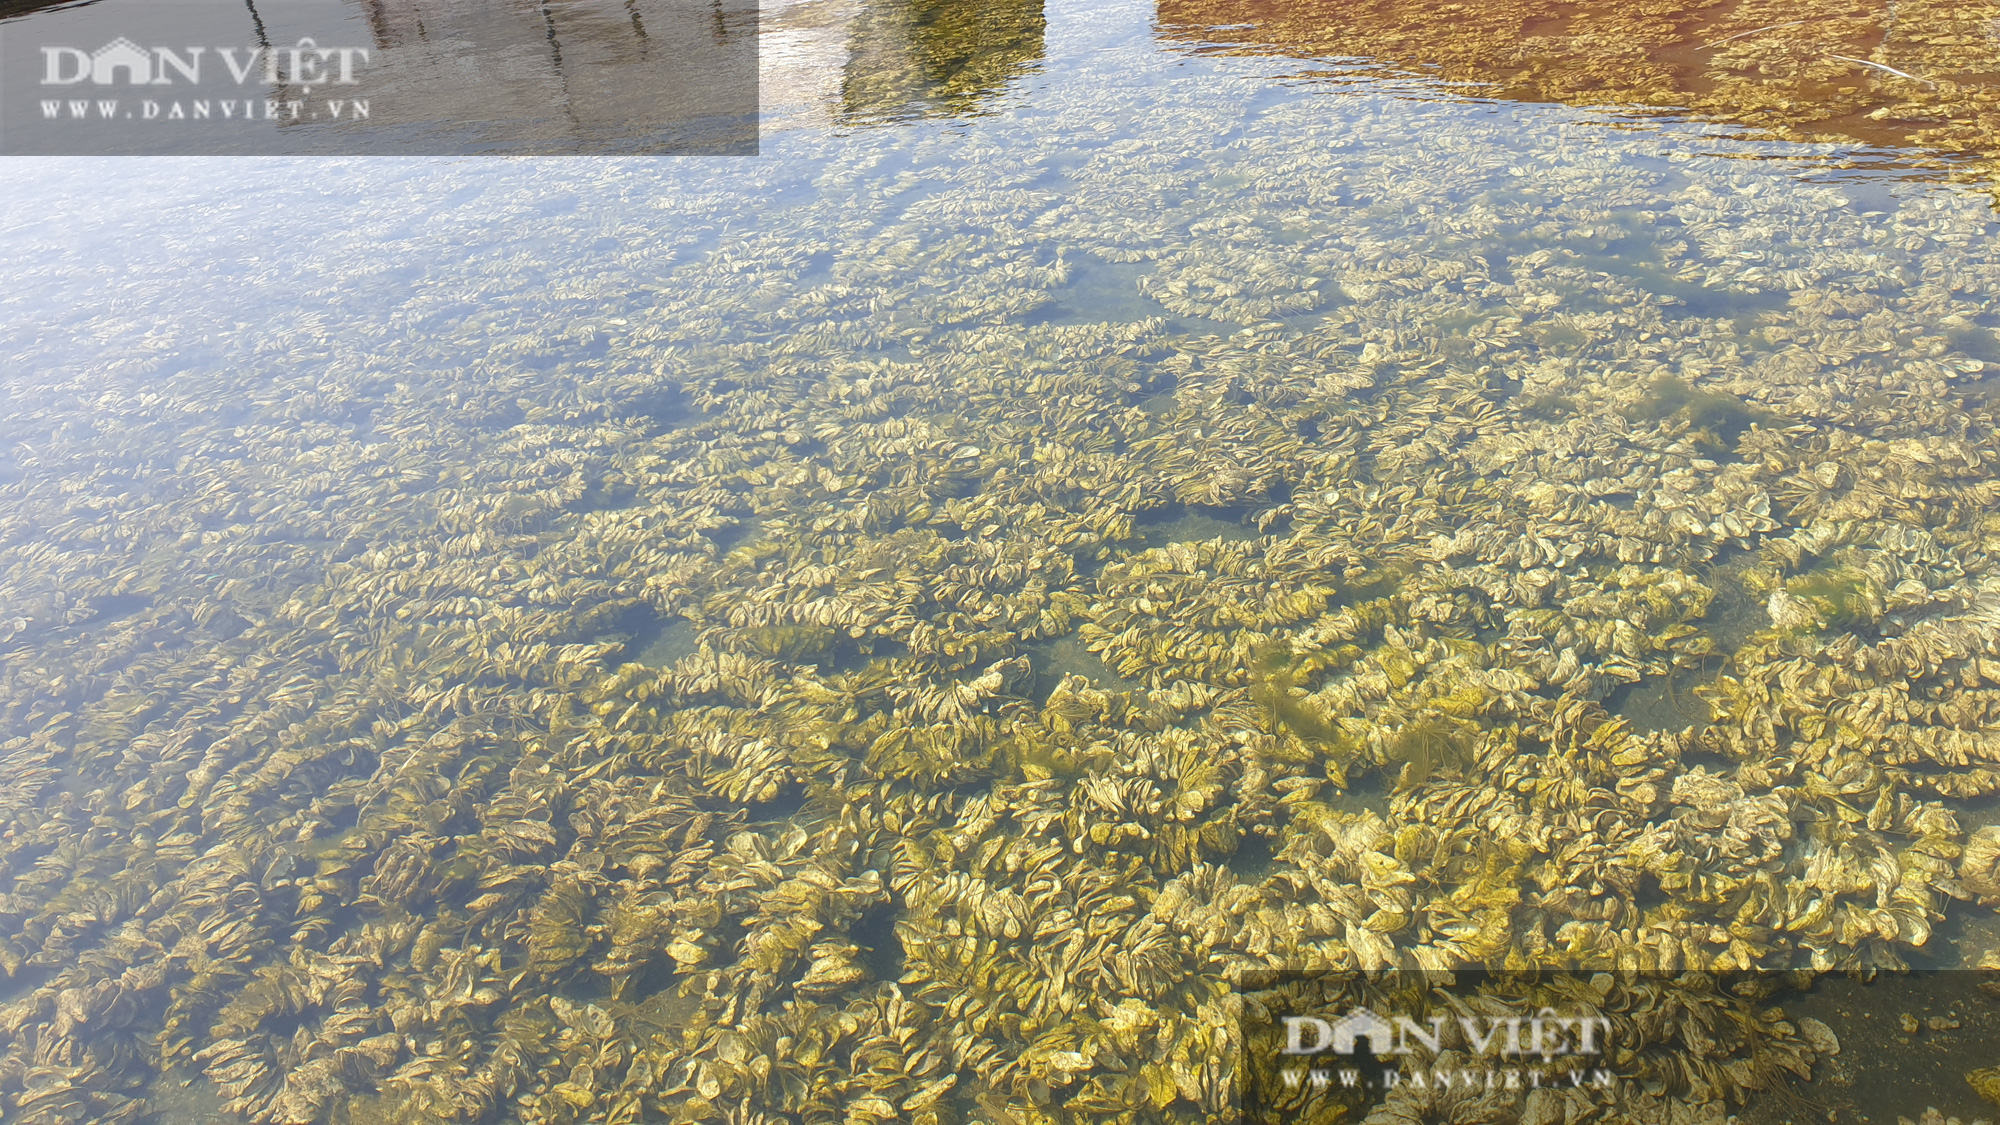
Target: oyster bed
<point>1913,76</point>
<point>893,631</point>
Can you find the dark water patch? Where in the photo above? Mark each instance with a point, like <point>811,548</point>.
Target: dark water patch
<point>1382,581</point>
<point>1639,264</point>
<point>583,988</point>
<point>664,643</point>
<point>1871,193</point>
<point>116,607</point>
<point>1067,656</point>
<point>742,531</point>
<point>1959,939</point>
<point>1978,812</point>
<point>1158,395</point>
<point>1648,894</point>
<point>607,496</point>
<point>1883,1071</point>
<point>852,654</point>
<point>881,947</point>
<point>659,978</point>
<point>1978,343</point>
<point>1716,421</point>
<point>1089,561</point>
<point>1659,703</point>
<point>1499,388</point>
<point>1980,394</point>
<point>1190,523</point>
<point>1100,292</point>
<point>1153,517</point>
<point>1367,791</point>
<point>777,812</point>
<point>662,408</point>
<point>177,1097</point>
<point>226,625</point>
<point>1739,306</point>
<point>634,621</point>
<point>25,980</point>
<point>1707,760</point>
<point>1253,858</point>
<point>822,648</point>
<point>1737,612</point>
<point>1199,327</point>
<point>896,351</point>
<point>1283,230</point>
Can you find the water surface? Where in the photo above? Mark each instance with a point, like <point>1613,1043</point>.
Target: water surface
<point>889,626</point>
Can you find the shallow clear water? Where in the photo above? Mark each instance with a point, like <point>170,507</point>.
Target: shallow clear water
<point>530,639</point>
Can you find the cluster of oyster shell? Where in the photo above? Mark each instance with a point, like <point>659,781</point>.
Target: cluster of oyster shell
<point>1019,678</point>
<point>1909,74</point>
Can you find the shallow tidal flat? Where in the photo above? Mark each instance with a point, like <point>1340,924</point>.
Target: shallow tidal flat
<point>895,629</point>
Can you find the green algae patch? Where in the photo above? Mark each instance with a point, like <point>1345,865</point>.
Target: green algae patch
<point>1715,421</point>
<point>1428,747</point>
<point>1841,597</point>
